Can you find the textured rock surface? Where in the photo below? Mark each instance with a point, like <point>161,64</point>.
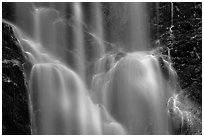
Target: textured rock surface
<point>15,112</point>
<point>178,29</point>
<point>184,40</point>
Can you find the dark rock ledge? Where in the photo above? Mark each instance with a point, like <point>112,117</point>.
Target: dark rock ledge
<point>15,109</point>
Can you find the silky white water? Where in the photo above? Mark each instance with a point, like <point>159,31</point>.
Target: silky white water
<point>127,95</point>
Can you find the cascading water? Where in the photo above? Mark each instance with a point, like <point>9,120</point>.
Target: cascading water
<point>79,42</point>
<point>135,91</point>
<point>128,94</point>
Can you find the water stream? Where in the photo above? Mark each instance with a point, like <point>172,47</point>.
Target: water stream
<point>128,93</point>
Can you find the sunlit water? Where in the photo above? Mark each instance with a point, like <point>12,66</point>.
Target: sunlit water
<point>127,95</point>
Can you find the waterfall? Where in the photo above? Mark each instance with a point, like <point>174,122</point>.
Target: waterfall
<point>138,28</point>
<point>134,91</point>
<point>79,42</point>
<point>99,28</point>
<point>129,91</point>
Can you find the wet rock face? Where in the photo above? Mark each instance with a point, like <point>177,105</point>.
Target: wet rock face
<point>15,112</point>
<point>178,31</point>
<point>178,28</point>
